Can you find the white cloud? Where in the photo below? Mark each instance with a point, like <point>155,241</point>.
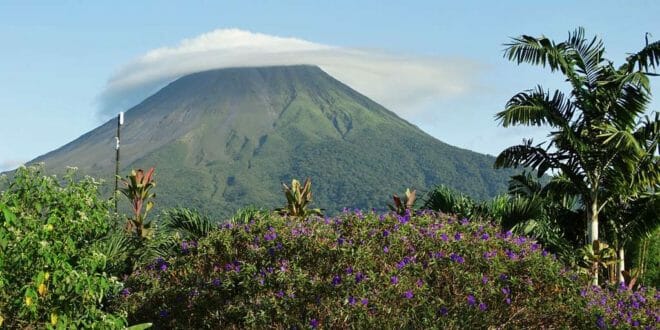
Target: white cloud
<point>400,82</point>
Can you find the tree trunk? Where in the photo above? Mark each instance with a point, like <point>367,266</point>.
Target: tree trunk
<point>622,265</point>
<point>592,232</point>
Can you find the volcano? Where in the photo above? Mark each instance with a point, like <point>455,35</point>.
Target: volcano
<point>227,138</point>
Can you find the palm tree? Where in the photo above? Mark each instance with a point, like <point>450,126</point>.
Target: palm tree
<point>590,141</point>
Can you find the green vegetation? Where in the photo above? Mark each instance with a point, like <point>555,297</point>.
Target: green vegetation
<point>603,149</point>
<point>52,270</point>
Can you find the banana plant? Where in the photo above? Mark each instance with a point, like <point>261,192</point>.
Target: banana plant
<point>137,189</point>
<point>298,197</point>
<point>402,205</point>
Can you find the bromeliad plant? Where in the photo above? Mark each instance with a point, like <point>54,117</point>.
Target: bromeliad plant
<point>298,197</point>
<point>402,205</point>
<point>138,191</point>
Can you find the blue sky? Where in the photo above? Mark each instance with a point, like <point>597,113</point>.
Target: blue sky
<point>62,62</point>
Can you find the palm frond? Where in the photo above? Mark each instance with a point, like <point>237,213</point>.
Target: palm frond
<point>524,184</point>
<point>526,155</point>
<point>535,108</point>
<point>646,59</point>
<point>189,223</point>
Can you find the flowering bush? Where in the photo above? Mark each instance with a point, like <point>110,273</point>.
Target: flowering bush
<point>50,275</point>
<point>623,308</point>
<point>357,270</point>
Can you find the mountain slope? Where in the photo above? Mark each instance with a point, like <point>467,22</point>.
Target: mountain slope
<point>226,138</point>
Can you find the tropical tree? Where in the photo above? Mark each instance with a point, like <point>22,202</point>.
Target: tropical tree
<point>591,141</point>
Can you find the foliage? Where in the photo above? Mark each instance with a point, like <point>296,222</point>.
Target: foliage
<point>447,200</point>
<point>622,308</point>
<point>599,142</point>
<point>358,270</point>
<point>138,191</point>
<point>400,207</point>
<point>187,223</point>
<point>50,275</point>
<point>298,197</point>
<point>247,214</point>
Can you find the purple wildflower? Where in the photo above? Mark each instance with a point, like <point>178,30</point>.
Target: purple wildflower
<point>314,323</point>
<point>484,279</point>
<point>408,294</point>
<point>364,301</point>
<point>216,282</point>
<point>485,236</point>
<point>164,313</point>
<point>125,292</point>
<point>352,300</point>
<point>386,233</point>
<point>359,277</point>
<point>419,283</point>
<point>457,237</point>
<point>456,258</point>
<point>443,311</point>
<point>444,237</point>
<point>483,306</point>
<point>386,249</point>
<point>336,280</point>
<point>394,280</point>
<point>470,300</point>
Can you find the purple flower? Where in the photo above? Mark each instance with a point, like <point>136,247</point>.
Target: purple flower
<point>444,237</point>
<point>483,306</point>
<point>364,301</point>
<point>386,233</point>
<point>279,294</point>
<point>352,300</point>
<point>386,249</point>
<point>349,270</point>
<point>314,323</point>
<point>125,292</point>
<point>520,241</point>
<point>490,254</point>
<point>408,294</point>
<point>470,300</point>
<point>443,311</point>
<point>484,279</point>
<point>485,236</point>
<point>216,282</point>
<point>465,221</point>
<point>510,254</point>
<point>419,283</point>
<point>359,277</point>
<point>503,277</point>
<point>457,237</point>
<point>336,280</point>
<point>456,258</point>
<point>506,291</point>
<point>164,313</point>
<point>507,301</point>
<point>394,280</point>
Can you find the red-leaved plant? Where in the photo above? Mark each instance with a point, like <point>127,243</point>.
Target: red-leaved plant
<point>138,191</point>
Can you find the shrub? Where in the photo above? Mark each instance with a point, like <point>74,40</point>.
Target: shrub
<point>358,270</point>
<point>49,275</point>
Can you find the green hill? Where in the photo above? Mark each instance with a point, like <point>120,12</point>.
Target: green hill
<point>227,138</point>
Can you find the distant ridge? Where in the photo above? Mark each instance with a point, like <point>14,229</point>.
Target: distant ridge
<point>227,138</point>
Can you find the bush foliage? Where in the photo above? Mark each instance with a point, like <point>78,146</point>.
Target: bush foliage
<point>50,273</point>
<point>360,270</point>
